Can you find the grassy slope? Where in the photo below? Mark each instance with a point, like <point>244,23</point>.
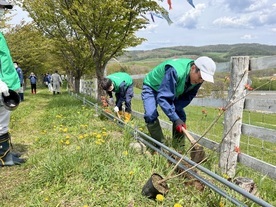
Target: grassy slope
<point>76,159</point>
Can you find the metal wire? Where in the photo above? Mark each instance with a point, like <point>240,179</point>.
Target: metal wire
<point>142,137</point>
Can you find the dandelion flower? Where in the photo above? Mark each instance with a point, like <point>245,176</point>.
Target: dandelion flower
<point>65,130</point>
<point>67,142</point>
<point>67,137</point>
<point>78,147</point>
<point>221,204</point>
<point>160,197</point>
<point>177,205</point>
<point>125,153</point>
<point>131,173</point>
<point>80,136</point>
<point>98,136</point>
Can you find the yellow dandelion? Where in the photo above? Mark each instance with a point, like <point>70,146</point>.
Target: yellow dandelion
<point>85,206</point>
<point>98,136</point>
<point>67,136</point>
<point>125,153</point>
<point>80,136</point>
<point>221,204</point>
<point>131,173</point>
<point>78,147</point>
<point>65,130</point>
<point>98,142</point>
<point>46,199</point>
<point>141,129</point>
<point>61,141</point>
<point>177,205</point>
<point>225,176</point>
<point>78,112</point>
<point>67,142</point>
<point>85,135</point>
<point>160,197</point>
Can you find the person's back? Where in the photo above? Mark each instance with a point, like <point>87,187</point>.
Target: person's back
<point>56,80</point>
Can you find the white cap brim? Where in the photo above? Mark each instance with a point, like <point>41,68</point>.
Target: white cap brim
<point>207,77</point>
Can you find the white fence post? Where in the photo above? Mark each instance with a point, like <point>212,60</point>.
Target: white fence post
<point>229,148</point>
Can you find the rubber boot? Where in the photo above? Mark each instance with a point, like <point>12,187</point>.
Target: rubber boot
<point>7,158</point>
<point>178,140</point>
<point>127,117</point>
<point>156,132</point>
<point>21,96</point>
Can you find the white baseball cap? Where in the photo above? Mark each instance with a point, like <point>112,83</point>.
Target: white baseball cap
<point>207,68</point>
<point>6,4</point>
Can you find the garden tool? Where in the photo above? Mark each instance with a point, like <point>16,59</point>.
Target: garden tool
<point>197,152</point>
<point>127,117</point>
<point>178,139</point>
<point>118,115</point>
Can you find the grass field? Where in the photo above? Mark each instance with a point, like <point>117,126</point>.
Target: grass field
<point>77,158</point>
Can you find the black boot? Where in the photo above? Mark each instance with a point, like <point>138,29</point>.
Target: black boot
<point>178,140</point>
<point>21,96</point>
<point>7,158</point>
<point>156,132</point>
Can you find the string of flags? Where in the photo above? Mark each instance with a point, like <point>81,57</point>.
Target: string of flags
<point>164,14</point>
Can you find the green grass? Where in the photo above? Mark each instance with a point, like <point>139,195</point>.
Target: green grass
<point>78,158</point>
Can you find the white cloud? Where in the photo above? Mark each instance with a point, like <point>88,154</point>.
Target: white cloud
<point>248,37</point>
<point>190,19</point>
<point>232,22</point>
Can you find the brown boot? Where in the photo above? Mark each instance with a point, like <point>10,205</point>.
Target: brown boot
<point>127,117</point>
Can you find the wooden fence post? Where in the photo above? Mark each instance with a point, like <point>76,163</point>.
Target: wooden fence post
<point>229,148</point>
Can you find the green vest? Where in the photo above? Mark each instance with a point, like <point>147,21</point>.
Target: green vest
<point>182,67</point>
<point>8,73</point>
<point>118,78</point>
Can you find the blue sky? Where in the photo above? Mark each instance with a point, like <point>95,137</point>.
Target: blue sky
<point>211,22</point>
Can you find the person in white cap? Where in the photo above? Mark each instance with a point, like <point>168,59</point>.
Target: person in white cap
<point>172,85</point>
<point>9,80</point>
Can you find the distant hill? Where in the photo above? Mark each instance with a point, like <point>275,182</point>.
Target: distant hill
<point>220,53</point>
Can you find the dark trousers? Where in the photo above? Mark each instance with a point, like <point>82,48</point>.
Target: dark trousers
<point>33,88</point>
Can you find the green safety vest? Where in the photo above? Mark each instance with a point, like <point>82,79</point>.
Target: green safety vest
<point>118,78</point>
<point>8,73</point>
<point>182,67</point>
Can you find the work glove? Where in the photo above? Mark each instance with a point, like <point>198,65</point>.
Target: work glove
<point>179,124</point>
<point>4,88</point>
<point>111,101</point>
<point>116,109</point>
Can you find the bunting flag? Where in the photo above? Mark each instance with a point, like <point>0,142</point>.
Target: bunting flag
<point>170,4</point>
<point>191,3</point>
<point>156,15</point>
<point>165,14</point>
<point>151,15</point>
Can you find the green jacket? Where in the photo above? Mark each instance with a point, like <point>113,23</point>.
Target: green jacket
<point>182,67</point>
<point>8,73</point>
<point>118,78</point>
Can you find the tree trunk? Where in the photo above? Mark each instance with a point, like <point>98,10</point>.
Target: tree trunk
<point>229,148</point>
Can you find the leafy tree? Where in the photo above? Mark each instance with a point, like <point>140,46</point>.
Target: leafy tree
<point>31,49</point>
<point>70,45</point>
<point>108,27</point>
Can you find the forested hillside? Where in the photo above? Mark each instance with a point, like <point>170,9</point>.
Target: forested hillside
<point>220,53</point>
